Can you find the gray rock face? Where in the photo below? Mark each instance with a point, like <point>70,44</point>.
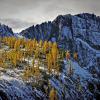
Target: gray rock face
<point>14,90</point>
<point>66,30</point>
<point>87,29</point>
<point>18,90</point>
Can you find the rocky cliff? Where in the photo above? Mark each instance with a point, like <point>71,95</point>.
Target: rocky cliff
<point>5,31</point>
<point>77,33</point>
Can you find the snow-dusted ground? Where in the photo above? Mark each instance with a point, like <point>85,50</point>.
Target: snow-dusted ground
<point>67,87</point>
<point>12,85</point>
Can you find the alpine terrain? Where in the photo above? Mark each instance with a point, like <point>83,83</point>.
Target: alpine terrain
<point>55,60</point>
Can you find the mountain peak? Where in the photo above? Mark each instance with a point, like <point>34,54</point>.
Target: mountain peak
<point>5,30</point>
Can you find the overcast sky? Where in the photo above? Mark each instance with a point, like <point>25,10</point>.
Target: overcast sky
<point>20,14</point>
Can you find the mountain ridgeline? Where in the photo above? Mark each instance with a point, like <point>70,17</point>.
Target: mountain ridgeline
<point>67,28</point>
<point>5,31</point>
<point>77,33</point>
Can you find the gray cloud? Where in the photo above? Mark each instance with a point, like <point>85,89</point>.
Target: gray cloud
<point>20,14</point>
<point>16,24</point>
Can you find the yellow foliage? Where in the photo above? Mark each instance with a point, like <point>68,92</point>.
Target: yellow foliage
<point>67,55</point>
<point>1,62</point>
<point>53,94</point>
<point>75,56</point>
<point>49,62</point>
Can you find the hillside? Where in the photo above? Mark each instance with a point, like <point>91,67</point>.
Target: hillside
<point>58,59</point>
<point>77,33</point>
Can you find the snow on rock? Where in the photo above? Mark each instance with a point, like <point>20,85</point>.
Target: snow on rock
<point>76,86</point>
<point>86,44</point>
<point>14,89</point>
